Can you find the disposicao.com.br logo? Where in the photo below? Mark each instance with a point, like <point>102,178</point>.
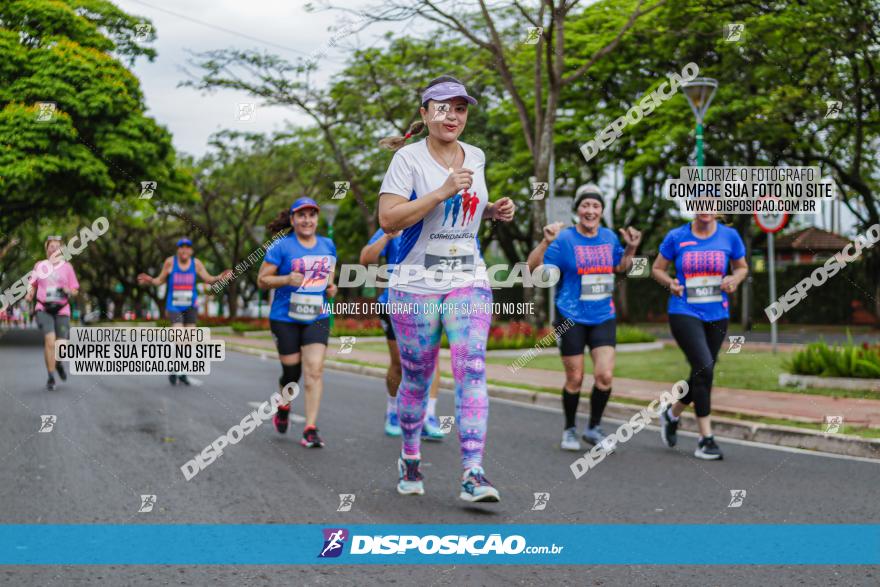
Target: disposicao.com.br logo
<point>431,544</point>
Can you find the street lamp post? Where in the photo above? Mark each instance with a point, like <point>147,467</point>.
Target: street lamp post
<point>699,93</point>
<point>330,211</point>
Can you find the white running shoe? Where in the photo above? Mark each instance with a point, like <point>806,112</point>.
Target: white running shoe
<point>570,439</point>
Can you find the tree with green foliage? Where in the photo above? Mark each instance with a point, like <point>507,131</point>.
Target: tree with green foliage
<point>243,183</point>
<point>89,142</point>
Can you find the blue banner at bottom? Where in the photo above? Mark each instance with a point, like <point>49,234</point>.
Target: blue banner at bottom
<point>520,544</point>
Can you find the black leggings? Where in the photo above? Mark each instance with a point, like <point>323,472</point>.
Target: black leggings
<point>700,341</point>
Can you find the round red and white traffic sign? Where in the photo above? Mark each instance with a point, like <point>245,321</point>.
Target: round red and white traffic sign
<point>771,221</point>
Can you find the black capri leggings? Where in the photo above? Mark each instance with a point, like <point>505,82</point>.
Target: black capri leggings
<point>700,341</point>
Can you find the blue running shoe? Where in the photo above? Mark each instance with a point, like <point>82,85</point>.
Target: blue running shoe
<point>595,436</point>
<point>392,424</point>
<point>410,482</point>
<point>475,487</point>
<point>431,429</point>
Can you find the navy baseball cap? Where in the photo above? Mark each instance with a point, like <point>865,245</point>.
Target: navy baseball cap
<point>304,203</point>
<point>184,242</point>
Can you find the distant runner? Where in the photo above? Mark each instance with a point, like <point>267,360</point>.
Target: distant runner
<point>181,298</point>
<point>53,283</point>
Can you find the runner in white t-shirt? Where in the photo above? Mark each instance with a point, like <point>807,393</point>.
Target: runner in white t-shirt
<point>435,191</point>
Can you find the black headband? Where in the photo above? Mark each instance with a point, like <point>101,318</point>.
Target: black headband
<point>588,195</point>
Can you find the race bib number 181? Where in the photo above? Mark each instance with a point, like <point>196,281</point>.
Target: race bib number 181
<point>596,286</point>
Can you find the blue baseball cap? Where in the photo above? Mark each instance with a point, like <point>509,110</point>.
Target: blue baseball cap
<point>184,242</point>
<point>304,203</point>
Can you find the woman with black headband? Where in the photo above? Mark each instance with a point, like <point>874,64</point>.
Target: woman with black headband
<point>435,191</point>
<point>587,256</point>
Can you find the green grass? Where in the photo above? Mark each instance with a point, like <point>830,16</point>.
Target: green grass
<point>746,370</point>
<point>850,430</point>
<point>757,371</point>
<point>627,333</point>
<point>845,429</point>
<point>817,329</point>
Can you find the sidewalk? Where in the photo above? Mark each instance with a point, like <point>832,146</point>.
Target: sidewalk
<point>768,404</point>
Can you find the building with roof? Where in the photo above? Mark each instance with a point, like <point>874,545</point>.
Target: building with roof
<point>807,246</point>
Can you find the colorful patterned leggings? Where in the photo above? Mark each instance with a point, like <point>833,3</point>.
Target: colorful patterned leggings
<point>418,337</point>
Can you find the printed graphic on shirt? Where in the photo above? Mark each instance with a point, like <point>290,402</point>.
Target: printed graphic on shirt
<point>455,256</point>
<point>703,271</point>
<point>305,305</point>
<point>465,204</point>
<point>54,289</point>
<point>316,269</point>
<point>182,288</point>
<point>595,265</point>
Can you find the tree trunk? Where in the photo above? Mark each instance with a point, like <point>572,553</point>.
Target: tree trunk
<point>622,301</point>
<point>537,295</point>
<point>138,307</point>
<point>232,297</point>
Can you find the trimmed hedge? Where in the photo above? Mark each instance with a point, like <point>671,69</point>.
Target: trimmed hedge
<point>838,361</point>
<point>832,303</point>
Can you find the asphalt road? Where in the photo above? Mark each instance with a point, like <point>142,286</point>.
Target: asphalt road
<point>119,437</point>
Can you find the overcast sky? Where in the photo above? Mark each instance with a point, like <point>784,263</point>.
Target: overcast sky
<point>282,27</point>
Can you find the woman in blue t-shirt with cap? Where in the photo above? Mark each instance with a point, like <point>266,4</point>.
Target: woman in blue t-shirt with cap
<point>299,267</point>
<point>587,255</point>
<point>698,312</point>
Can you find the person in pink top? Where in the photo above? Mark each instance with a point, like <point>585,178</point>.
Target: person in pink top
<point>53,284</point>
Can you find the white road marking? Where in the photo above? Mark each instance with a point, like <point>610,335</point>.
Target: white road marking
<point>725,440</point>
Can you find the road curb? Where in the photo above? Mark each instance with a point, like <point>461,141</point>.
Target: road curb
<point>629,347</point>
<point>792,437</point>
<point>851,383</point>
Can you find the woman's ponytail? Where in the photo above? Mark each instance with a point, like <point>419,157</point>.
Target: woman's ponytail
<point>280,222</point>
<point>395,143</point>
